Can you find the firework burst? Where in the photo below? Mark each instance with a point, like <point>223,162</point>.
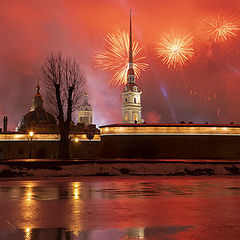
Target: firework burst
<point>220,28</point>
<point>115,58</point>
<point>175,50</point>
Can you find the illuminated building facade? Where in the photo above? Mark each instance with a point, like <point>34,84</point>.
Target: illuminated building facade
<point>131,96</point>
<point>15,145</point>
<point>137,141</point>
<point>170,141</point>
<point>85,112</point>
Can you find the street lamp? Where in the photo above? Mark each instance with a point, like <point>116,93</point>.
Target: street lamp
<point>75,148</point>
<point>31,138</point>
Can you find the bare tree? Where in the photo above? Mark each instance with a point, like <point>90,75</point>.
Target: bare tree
<point>65,86</point>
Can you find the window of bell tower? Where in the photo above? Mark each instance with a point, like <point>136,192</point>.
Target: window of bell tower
<point>126,117</point>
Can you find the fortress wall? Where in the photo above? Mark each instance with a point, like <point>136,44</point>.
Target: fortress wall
<point>171,146</point>
<point>47,149</point>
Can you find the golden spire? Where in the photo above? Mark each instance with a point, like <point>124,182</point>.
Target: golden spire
<point>130,39</point>
<point>130,69</point>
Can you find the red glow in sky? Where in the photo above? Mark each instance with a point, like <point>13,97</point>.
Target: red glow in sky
<point>206,89</point>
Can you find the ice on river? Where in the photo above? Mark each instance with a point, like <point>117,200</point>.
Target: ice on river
<point>102,208</point>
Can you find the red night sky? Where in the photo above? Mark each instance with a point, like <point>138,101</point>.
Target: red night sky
<point>205,89</point>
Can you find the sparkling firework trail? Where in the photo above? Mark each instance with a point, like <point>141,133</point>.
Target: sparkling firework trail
<point>175,50</point>
<point>115,58</point>
<point>220,28</point>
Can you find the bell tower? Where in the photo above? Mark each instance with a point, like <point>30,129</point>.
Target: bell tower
<point>85,112</point>
<point>131,97</point>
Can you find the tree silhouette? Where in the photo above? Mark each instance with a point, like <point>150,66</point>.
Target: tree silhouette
<point>65,86</point>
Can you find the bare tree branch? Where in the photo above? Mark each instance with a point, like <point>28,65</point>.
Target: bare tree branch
<point>65,86</point>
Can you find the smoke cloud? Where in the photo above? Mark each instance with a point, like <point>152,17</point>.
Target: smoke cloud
<point>206,89</point>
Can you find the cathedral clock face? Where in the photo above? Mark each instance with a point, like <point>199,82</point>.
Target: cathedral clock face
<point>135,89</point>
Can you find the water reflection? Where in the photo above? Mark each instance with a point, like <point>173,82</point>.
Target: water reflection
<point>28,209</point>
<point>157,232</point>
<point>135,233</point>
<point>76,190</point>
<point>130,208</point>
<point>29,192</point>
<point>76,207</point>
<point>27,234</point>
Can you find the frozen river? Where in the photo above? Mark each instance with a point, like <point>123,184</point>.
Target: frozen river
<point>103,208</point>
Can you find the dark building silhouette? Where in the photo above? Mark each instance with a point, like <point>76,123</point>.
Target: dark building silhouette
<point>38,119</point>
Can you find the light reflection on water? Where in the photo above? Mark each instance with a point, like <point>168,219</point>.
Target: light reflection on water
<point>27,234</point>
<point>120,208</point>
<point>161,232</point>
<point>76,204</point>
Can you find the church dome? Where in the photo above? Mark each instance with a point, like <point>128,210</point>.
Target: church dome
<point>38,119</point>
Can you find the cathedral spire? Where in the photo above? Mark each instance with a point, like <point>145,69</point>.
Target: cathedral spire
<point>131,97</point>
<point>38,89</point>
<point>131,75</point>
<point>130,40</point>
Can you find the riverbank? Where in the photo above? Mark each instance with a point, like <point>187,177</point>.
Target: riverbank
<point>116,167</point>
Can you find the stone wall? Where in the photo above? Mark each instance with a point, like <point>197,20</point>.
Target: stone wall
<point>47,149</point>
<point>171,146</point>
<point>130,146</point>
